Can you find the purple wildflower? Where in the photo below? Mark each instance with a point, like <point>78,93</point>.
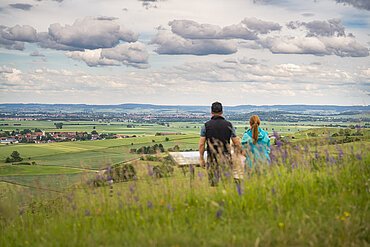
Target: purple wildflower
<point>273,191</point>
<point>327,157</point>
<point>275,134</point>
<point>149,204</point>
<point>294,165</point>
<point>359,156</point>
<point>279,143</point>
<point>317,155</point>
<point>219,213</point>
<point>132,188</point>
<point>341,154</point>
<point>200,175</point>
<point>87,212</point>
<point>169,207</point>
<point>239,189</point>
<point>285,155</point>
<point>70,198</point>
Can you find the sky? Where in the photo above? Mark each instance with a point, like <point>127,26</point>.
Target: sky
<point>173,52</point>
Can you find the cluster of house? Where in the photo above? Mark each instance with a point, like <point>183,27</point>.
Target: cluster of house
<point>47,137</point>
<point>42,137</point>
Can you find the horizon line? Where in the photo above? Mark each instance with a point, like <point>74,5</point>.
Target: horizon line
<point>129,103</point>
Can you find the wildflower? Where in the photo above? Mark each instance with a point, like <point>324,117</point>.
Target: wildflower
<point>285,155</point>
<point>346,214</point>
<point>149,204</point>
<point>169,207</point>
<point>358,156</point>
<point>132,188</point>
<point>273,191</point>
<point>200,175</point>
<point>239,189</point>
<point>219,213</point>
<point>294,165</point>
<point>340,155</point>
<point>279,143</point>
<point>87,212</point>
<point>317,155</point>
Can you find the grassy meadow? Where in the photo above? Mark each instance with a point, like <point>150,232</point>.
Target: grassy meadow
<point>309,196</point>
<point>314,193</point>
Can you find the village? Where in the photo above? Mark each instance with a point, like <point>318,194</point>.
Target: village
<point>39,136</point>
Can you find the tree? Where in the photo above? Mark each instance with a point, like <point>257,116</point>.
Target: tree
<point>14,157</point>
<point>166,139</point>
<point>58,125</point>
<point>94,132</point>
<point>26,131</point>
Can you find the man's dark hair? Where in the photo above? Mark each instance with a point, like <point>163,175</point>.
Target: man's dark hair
<point>216,107</point>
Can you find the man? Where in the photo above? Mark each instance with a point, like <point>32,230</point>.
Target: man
<point>217,133</point>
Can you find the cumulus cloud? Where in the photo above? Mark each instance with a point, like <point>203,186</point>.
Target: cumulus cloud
<point>20,33</point>
<point>132,54</point>
<point>193,30</point>
<point>9,44</point>
<point>260,26</point>
<point>22,6</point>
<point>340,46</point>
<point>331,27</point>
<point>170,43</point>
<point>90,33</point>
<point>360,4</point>
<point>44,40</point>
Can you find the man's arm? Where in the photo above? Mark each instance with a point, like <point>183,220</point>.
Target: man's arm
<point>202,145</point>
<point>236,140</point>
<point>237,144</point>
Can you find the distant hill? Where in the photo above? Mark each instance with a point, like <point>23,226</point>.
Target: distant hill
<point>306,109</point>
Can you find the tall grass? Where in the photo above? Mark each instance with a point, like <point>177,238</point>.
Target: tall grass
<point>308,196</point>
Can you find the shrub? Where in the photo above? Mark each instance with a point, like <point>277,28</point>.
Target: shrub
<point>123,173</point>
<point>163,170</point>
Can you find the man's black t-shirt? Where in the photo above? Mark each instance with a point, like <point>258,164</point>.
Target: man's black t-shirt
<point>218,132</point>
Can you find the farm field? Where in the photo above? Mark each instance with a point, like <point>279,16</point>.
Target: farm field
<point>151,129</point>
<point>311,187</point>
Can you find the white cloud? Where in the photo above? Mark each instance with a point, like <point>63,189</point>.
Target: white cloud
<point>339,46</point>
<point>192,30</point>
<point>132,54</point>
<point>91,33</point>
<point>260,26</point>
<point>170,43</point>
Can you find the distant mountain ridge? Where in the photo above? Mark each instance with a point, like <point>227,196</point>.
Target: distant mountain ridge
<point>128,107</point>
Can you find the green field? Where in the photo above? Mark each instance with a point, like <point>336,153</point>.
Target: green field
<point>314,193</point>
<point>299,201</point>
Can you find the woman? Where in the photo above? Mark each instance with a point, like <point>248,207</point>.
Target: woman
<point>256,142</point>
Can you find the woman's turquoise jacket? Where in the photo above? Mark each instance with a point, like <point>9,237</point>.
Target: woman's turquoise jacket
<point>259,152</point>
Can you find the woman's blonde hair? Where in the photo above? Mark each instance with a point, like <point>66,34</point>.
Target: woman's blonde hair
<point>254,121</point>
